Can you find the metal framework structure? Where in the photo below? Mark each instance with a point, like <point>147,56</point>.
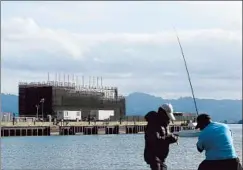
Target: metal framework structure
<point>69,95</point>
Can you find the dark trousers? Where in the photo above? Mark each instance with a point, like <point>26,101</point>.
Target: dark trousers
<point>158,166</point>
<point>228,164</point>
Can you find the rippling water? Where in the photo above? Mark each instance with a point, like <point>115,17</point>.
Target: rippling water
<point>108,152</point>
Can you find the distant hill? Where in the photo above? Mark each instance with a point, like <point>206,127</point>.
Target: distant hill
<point>141,103</point>
<point>9,103</point>
<point>231,110</point>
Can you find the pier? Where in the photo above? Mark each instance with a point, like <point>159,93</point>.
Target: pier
<point>74,128</point>
<point>25,131</point>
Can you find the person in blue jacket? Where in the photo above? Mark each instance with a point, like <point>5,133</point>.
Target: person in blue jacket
<point>217,142</point>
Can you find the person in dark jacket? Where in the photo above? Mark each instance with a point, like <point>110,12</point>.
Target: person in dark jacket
<point>158,137</point>
<point>216,139</point>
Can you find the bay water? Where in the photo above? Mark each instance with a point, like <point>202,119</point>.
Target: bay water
<point>98,152</point>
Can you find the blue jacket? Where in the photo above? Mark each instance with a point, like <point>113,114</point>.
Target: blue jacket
<point>216,139</point>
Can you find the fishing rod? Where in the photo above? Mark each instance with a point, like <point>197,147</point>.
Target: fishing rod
<point>188,75</point>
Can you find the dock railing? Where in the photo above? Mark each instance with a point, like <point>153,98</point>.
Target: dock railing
<point>80,123</point>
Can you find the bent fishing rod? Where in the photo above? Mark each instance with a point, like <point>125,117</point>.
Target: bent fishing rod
<point>188,75</point>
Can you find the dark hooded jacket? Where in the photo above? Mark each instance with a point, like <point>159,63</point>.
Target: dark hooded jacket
<point>157,139</point>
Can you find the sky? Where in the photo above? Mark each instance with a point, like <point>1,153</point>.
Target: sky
<point>132,45</point>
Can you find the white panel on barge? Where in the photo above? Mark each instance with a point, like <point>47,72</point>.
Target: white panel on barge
<point>69,115</point>
<point>105,114</point>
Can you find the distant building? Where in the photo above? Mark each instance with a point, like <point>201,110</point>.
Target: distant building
<point>53,97</point>
<point>181,116</point>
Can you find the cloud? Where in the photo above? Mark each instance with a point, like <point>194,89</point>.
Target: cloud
<point>148,61</point>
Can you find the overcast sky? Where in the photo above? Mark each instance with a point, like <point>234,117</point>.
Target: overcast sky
<point>132,45</point>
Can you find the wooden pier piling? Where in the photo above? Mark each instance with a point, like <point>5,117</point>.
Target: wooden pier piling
<point>25,131</point>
